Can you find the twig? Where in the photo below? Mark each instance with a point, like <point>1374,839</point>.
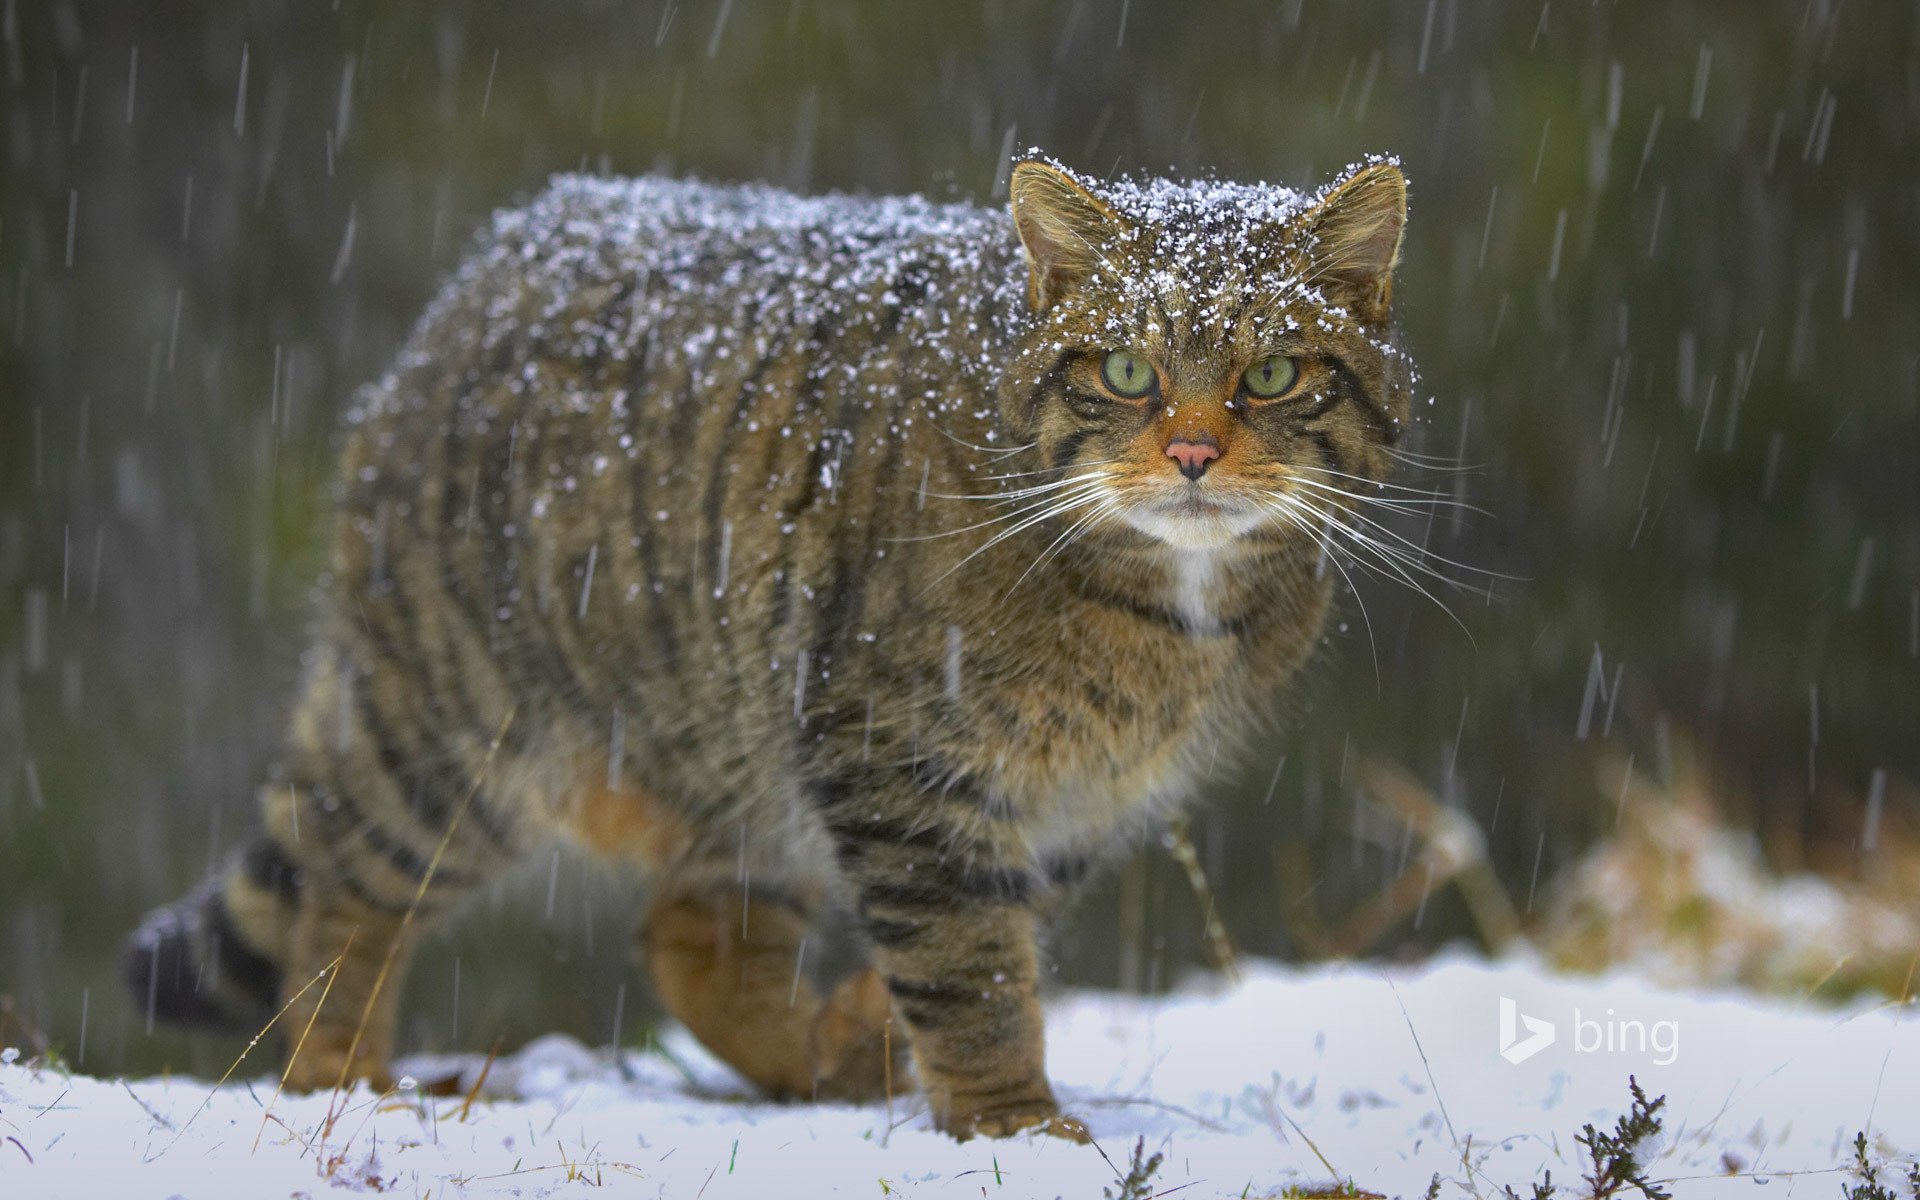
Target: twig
<point>1145,1102</point>
<point>1456,852</point>
<point>43,1111</point>
<point>1905,1000</point>
<point>151,1111</point>
<point>295,1134</point>
<point>1219,945</point>
<point>1301,913</point>
<point>373,1110</point>
<point>627,1167</point>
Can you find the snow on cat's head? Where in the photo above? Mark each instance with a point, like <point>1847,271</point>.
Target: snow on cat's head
<point>1209,360</point>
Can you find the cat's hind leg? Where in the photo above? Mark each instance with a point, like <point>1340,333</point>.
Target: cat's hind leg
<point>729,963</point>
<point>390,814</point>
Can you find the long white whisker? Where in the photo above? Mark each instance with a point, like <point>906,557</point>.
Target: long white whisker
<point>1400,561</point>
<point>1018,493</point>
<point>1392,563</point>
<point>1066,538</point>
<point>1049,510</point>
<point>1379,483</point>
<point>1058,509</point>
<point>1422,553</point>
<point>1086,484</point>
<point>1385,560</point>
<point>996,451</point>
<point>1448,463</point>
<point>1331,554</point>
<point>1098,462</point>
<point>1392,503</point>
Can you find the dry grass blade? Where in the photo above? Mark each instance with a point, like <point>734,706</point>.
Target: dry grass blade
<point>1269,1102</point>
<point>486,1068</point>
<point>264,1029</point>
<point>332,973</point>
<point>886,1066</point>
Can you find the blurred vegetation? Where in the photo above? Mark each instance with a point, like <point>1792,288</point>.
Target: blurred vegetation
<point>1659,277</point>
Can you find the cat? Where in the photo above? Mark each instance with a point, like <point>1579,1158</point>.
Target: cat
<point>866,554</point>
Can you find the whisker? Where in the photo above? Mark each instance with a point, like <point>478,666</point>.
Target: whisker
<point>1379,483</point>
<point>1331,554</point>
<point>1392,563</point>
<point>1400,560</point>
<point>996,451</point>
<point>1438,462</point>
<point>1048,509</point>
<point>1392,503</point>
<point>1098,462</point>
<point>1017,493</point>
<point>1087,485</point>
<point>1423,553</point>
<point>1066,538</point>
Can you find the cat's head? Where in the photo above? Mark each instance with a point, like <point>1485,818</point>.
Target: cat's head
<point>1208,359</point>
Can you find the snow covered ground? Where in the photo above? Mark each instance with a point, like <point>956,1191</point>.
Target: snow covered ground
<point>1382,1076</point>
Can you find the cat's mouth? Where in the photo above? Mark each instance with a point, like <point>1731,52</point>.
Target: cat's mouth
<point>1196,507</point>
<point>1193,517</point>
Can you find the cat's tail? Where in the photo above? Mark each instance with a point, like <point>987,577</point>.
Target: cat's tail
<point>215,957</point>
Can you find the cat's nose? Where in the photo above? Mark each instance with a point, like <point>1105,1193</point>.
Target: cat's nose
<point>1193,455</point>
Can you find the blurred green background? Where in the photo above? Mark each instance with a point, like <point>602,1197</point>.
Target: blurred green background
<point>1659,277</point>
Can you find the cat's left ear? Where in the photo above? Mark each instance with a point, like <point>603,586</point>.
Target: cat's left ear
<point>1353,239</point>
<point>1063,227</point>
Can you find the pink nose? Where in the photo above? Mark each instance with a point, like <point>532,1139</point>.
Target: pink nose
<point>1193,456</point>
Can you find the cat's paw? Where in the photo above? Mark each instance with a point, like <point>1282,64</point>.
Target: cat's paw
<point>1037,1118</point>
<point>850,1043</point>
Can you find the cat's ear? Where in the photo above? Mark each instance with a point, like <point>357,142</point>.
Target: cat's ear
<point>1353,239</point>
<point>1063,227</point>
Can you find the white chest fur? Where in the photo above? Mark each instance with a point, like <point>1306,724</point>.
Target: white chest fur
<point>1193,583</point>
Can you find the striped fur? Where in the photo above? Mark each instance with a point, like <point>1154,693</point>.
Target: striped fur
<point>719,493</point>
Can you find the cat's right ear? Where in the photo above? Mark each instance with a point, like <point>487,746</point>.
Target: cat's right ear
<point>1063,227</point>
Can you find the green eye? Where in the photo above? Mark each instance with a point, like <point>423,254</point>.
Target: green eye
<point>1272,377</point>
<point>1127,374</point>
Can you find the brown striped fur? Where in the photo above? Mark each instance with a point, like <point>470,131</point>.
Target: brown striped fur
<point>707,488</point>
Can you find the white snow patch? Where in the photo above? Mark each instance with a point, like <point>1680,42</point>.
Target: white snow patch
<point>1229,1085</point>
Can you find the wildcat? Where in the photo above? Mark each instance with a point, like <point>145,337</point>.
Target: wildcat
<point>810,552</point>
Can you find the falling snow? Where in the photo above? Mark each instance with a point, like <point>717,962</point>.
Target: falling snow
<point>1659,278</point>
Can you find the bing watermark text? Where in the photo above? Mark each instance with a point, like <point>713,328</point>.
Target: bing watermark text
<point>1522,1036</point>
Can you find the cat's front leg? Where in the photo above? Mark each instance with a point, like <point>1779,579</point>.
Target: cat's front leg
<point>948,901</point>
<point>968,995</point>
